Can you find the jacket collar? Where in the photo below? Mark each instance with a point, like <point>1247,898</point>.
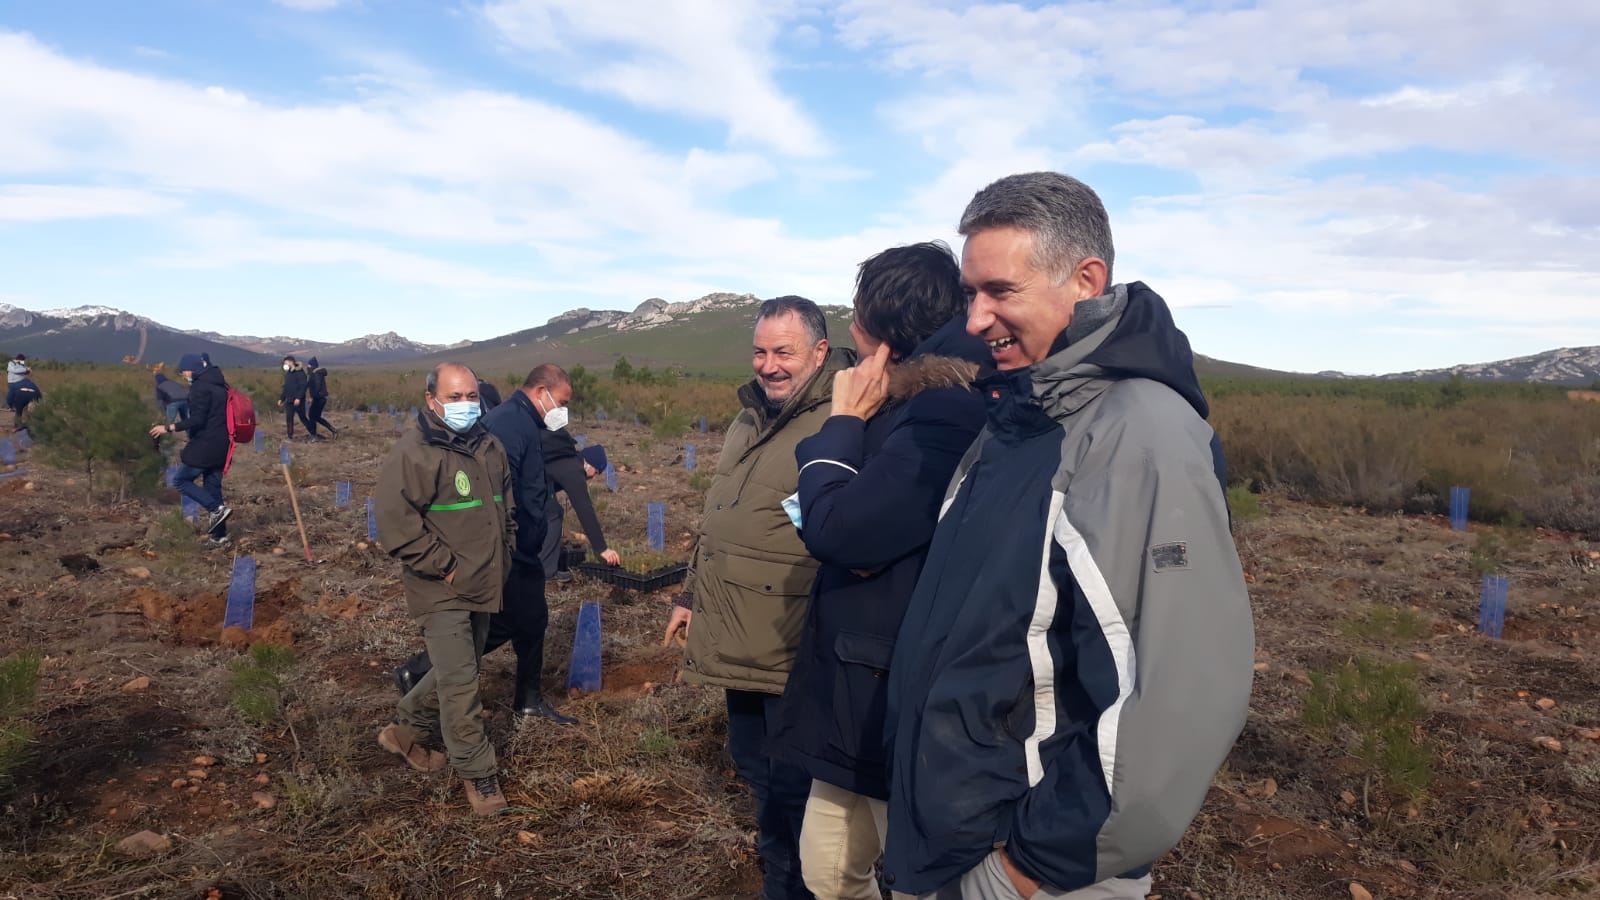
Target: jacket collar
<point>435,432</point>
<point>817,391</point>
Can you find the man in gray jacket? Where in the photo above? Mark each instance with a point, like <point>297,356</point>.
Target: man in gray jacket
<point>1077,656</point>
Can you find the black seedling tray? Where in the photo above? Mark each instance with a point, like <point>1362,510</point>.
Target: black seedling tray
<point>572,555</point>
<point>651,581</point>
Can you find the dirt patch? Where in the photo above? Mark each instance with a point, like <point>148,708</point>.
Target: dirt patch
<point>638,678</point>
<point>197,619</point>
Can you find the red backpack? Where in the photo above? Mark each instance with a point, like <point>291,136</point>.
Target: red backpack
<point>241,422</point>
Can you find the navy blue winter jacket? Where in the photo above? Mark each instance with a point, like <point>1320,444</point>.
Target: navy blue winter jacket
<point>869,495</point>
<point>515,424</point>
<point>207,424</point>
<point>1076,660</point>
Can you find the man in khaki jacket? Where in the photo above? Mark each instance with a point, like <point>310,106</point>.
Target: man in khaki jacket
<point>751,576</point>
<point>445,510</point>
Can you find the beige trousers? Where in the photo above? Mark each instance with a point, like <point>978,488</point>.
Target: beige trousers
<point>988,881</point>
<point>840,842</point>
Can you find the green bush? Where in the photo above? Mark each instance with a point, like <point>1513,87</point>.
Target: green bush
<point>1382,624</point>
<point>1379,704</point>
<point>19,682</point>
<point>256,686</point>
<point>103,431</point>
<point>1243,505</point>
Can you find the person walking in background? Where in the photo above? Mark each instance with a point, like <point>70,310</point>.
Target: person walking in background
<point>293,399</point>
<point>568,470</point>
<point>17,369</point>
<point>172,397</point>
<point>205,457</point>
<point>870,486</point>
<point>317,387</point>
<point>446,509</point>
<point>18,400</point>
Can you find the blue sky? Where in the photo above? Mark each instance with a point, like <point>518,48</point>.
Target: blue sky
<point>1366,186</point>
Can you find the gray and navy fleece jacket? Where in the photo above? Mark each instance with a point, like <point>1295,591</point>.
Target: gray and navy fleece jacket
<point>1076,660</point>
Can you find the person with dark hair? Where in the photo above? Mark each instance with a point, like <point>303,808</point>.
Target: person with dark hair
<point>18,399</point>
<point>447,510</point>
<point>750,575</point>
<point>205,457</point>
<point>519,426</point>
<point>17,369</point>
<point>488,395</point>
<point>870,485</point>
<point>317,387</point>
<point>1076,659</point>
<point>172,397</point>
<point>567,469</point>
<point>293,399</point>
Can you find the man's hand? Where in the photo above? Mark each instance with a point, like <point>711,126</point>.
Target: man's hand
<point>158,431</point>
<point>297,402</point>
<point>1025,886</point>
<point>678,626</point>
<point>611,557</point>
<point>280,404</point>
<point>862,390</point>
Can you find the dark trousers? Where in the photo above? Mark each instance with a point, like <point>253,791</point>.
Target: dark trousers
<point>781,791</point>
<point>314,417</point>
<point>521,623</point>
<point>208,493</point>
<point>292,411</point>
<point>550,552</point>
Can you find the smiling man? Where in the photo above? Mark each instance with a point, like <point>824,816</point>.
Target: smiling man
<point>1076,659</point>
<point>751,575</point>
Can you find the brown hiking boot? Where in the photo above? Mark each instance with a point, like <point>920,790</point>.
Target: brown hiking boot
<point>485,796</point>
<point>397,738</point>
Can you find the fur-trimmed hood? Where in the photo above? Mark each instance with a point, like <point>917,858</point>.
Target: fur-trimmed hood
<point>923,373</point>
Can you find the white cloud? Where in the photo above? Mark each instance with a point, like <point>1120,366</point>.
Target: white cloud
<point>711,59</point>
<point>48,202</point>
<point>309,5</point>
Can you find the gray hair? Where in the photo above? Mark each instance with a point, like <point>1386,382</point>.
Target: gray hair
<point>1065,216</point>
<point>433,377</point>
<point>810,315</point>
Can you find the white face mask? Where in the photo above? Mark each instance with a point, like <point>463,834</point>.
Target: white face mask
<point>287,367</point>
<point>556,419</point>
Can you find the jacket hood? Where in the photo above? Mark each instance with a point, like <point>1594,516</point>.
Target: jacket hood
<point>210,375</point>
<point>948,358</point>
<point>1137,340</point>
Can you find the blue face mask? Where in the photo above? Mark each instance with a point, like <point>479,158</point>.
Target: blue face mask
<point>791,506</point>
<point>461,416</point>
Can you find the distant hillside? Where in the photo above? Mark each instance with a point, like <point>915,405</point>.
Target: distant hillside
<point>1569,365</point>
<point>102,335</point>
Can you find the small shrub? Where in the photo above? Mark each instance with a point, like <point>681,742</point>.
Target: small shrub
<point>700,480</point>
<point>1379,704</point>
<point>1244,506</point>
<point>19,682</point>
<point>256,689</point>
<point>1387,623</point>
<point>657,742</point>
<point>1488,554</point>
<point>102,430</point>
<point>639,560</point>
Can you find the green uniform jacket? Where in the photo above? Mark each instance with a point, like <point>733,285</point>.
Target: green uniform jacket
<point>751,575</point>
<point>444,504</point>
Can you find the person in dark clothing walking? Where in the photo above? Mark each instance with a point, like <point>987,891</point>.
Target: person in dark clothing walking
<point>568,471</point>
<point>173,398</point>
<point>21,395</point>
<point>525,615</point>
<point>317,386</point>
<point>870,485</point>
<point>206,455</point>
<point>293,400</point>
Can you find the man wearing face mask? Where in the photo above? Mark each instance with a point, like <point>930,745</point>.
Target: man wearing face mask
<point>293,399</point>
<point>447,509</point>
<point>518,424</point>
<point>567,470</point>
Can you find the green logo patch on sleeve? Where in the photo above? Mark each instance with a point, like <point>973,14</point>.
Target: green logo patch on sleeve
<point>463,484</point>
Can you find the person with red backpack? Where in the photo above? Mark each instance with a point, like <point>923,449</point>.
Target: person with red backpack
<point>212,432</point>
